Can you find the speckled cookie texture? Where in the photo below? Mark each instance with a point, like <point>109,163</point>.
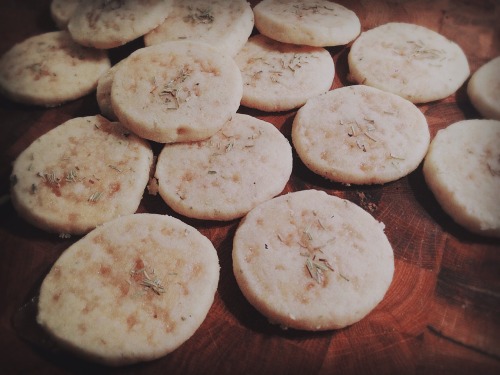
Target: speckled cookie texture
<point>360,135</point>
<point>222,178</point>
<point>317,23</point>
<point>107,24</point>
<point>312,261</point>
<point>412,61</point>
<point>484,89</point>
<point>50,69</point>
<point>79,175</point>
<point>279,76</point>
<point>462,169</point>
<point>224,24</point>
<point>176,91</point>
<point>132,290</point>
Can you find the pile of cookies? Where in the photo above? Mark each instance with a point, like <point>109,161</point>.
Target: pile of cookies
<point>139,285</point>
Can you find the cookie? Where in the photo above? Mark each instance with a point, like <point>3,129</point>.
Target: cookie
<point>360,135</point>
<point>222,178</point>
<point>50,69</point>
<point>484,89</point>
<point>108,24</point>
<point>103,92</point>
<point>462,169</point>
<point>311,261</point>
<point>318,23</point>
<point>409,60</point>
<point>132,290</point>
<point>79,175</point>
<point>225,25</point>
<point>176,91</point>
<point>279,76</point>
<point>62,10</point>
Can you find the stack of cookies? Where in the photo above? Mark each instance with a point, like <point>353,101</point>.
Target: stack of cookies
<point>183,90</point>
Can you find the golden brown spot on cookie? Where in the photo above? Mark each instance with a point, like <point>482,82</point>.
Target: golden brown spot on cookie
<point>56,296</point>
<point>131,321</point>
<point>168,323</point>
<point>89,306</point>
<point>114,188</point>
<point>188,176</point>
<point>167,231</point>
<point>181,130</point>
<point>104,270</point>
<point>82,328</point>
<point>124,289</point>
<point>56,272</point>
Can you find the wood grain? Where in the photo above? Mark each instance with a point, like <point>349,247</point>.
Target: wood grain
<point>441,314</point>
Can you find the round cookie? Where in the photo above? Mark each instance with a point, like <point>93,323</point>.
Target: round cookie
<point>222,178</point>
<point>50,69</point>
<point>484,89</point>
<point>225,25</point>
<point>409,60</point>
<point>312,261</point>
<point>360,135</point>
<point>462,169</point>
<point>318,23</point>
<point>103,92</point>
<point>132,290</point>
<point>62,10</point>
<point>176,91</point>
<point>279,76</point>
<point>107,24</point>
<point>79,175</point>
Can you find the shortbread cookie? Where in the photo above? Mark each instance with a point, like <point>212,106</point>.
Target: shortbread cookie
<point>312,261</point>
<point>360,135</point>
<point>62,10</point>
<point>484,89</point>
<point>223,24</point>
<point>317,23</point>
<point>409,60</point>
<point>222,178</point>
<point>462,169</point>
<point>132,290</point>
<point>176,91</point>
<point>103,92</point>
<point>50,69</point>
<point>107,24</point>
<point>279,76</point>
<point>80,174</point>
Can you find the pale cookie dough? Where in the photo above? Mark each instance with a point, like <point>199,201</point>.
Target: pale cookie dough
<point>107,24</point>
<point>50,69</point>
<point>360,135</point>
<point>176,91</point>
<point>462,169</point>
<point>222,178</point>
<point>132,290</point>
<point>103,92</point>
<point>484,89</point>
<point>224,24</point>
<point>317,23</point>
<point>409,60</point>
<point>62,10</point>
<point>79,175</point>
<point>312,261</point>
<point>279,76</point>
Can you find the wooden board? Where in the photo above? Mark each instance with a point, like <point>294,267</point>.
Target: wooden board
<point>441,314</point>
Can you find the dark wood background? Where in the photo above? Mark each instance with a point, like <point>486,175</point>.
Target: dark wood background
<point>441,314</point>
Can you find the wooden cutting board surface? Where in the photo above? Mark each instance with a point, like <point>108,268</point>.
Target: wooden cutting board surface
<point>441,314</point>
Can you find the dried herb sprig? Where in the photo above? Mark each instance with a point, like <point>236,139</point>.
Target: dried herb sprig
<point>149,281</point>
<point>199,15</point>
